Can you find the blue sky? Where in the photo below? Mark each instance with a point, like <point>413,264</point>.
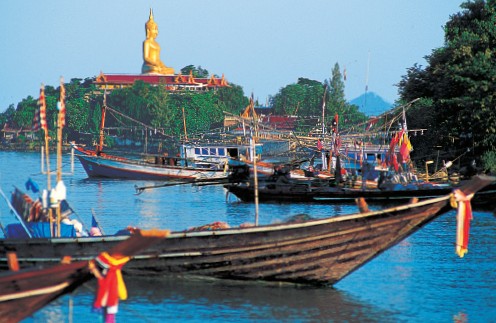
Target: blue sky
<point>261,45</point>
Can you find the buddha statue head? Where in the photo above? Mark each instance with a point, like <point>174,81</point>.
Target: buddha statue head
<point>151,27</point>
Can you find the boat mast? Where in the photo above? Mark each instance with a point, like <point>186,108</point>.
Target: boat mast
<point>60,125</point>
<point>366,83</point>
<point>60,188</point>
<point>324,161</point>
<point>42,103</point>
<point>253,148</point>
<point>44,126</point>
<point>99,148</point>
<point>184,125</point>
<point>404,120</point>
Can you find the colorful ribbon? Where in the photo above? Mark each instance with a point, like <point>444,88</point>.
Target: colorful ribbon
<point>463,218</point>
<point>111,286</point>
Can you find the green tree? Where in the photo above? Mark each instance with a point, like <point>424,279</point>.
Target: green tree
<point>7,115</point>
<point>337,102</point>
<point>303,99</point>
<point>23,116</point>
<point>151,105</point>
<point>77,107</point>
<point>158,108</point>
<point>459,81</point>
<point>197,71</point>
<point>349,115</point>
<point>232,99</point>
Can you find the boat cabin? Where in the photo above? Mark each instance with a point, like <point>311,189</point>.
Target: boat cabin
<point>219,153</point>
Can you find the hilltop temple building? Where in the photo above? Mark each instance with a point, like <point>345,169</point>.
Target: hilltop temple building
<point>155,72</point>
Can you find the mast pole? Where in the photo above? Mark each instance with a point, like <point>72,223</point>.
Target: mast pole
<point>60,126</point>
<point>44,126</point>
<point>99,148</point>
<point>184,124</point>
<point>366,83</point>
<point>324,161</point>
<point>253,148</point>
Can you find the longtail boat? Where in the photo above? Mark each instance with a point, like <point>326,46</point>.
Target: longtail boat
<point>25,291</point>
<point>206,163</point>
<point>99,164</point>
<point>318,191</point>
<point>309,251</point>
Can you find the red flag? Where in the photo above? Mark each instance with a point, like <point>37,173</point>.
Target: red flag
<point>395,162</point>
<point>335,123</point>
<point>319,145</point>
<point>371,123</point>
<point>395,140</point>
<point>42,104</point>
<point>111,286</point>
<point>36,120</point>
<point>62,105</point>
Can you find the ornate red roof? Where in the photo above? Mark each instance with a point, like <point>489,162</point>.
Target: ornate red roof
<point>280,122</point>
<point>172,80</point>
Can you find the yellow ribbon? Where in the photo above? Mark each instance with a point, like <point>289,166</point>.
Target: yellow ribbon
<point>464,214</point>
<point>121,286</point>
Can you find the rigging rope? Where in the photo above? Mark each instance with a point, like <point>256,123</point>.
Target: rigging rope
<point>139,122</point>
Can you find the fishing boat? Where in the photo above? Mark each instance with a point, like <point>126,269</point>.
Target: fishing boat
<point>301,250</point>
<point>296,190</point>
<point>311,190</point>
<point>25,291</point>
<point>98,163</point>
<point>200,162</point>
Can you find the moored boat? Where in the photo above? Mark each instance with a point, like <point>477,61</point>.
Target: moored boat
<point>98,163</point>
<point>310,251</point>
<point>280,189</point>
<point>109,166</point>
<point>25,291</point>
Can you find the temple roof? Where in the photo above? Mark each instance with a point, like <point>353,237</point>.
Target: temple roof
<point>178,80</point>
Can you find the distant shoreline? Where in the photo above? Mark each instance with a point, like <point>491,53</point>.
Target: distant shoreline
<point>29,147</point>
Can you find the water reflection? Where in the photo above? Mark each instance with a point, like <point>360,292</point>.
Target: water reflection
<point>200,300</point>
<point>420,279</point>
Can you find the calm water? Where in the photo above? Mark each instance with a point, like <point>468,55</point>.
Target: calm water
<point>421,279</point>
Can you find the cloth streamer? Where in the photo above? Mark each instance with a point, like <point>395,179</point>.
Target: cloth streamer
<point>463,218</point>
<point>111,286</point>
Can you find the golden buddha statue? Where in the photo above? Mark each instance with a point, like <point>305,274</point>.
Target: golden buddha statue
<point>151,51</point>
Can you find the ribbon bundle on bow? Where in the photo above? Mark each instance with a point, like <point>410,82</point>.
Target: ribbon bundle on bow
<point>111,286</point>
<point>463,218</point>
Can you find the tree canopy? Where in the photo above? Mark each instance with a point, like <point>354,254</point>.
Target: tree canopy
<point>149,105</point>
<point>304,99</point>
<point>457,87</point>
<point>175,113</point>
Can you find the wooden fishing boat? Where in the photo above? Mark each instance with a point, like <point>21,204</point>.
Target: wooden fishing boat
<point>25,291</point>
<point>22,292</point>
<point>320,191</point>
<point>311,251</point>
<point>99,164</point>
